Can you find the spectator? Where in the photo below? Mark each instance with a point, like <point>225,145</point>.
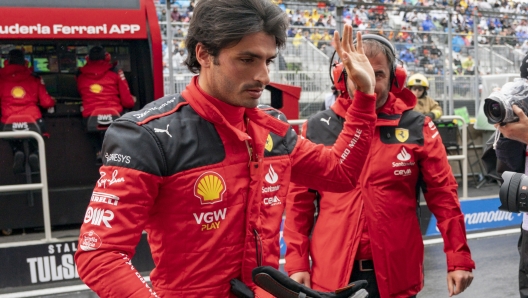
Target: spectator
<point>22,93</point>
<point>407,56</point>
<point>175,14</point>
<point>316,37</point>
<point>468,62</point>
<point>427,24</point>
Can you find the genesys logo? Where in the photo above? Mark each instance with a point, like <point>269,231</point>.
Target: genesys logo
<point>116,157</point>
<point>210,220</point>
<point>96,216</point>
<point>90,241</point>
<point>209,188</point>
<point>56,266</point>
<point>272,201</point>
<point>271,176</point>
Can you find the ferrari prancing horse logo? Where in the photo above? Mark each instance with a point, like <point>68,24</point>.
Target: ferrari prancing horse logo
<point>402,134</point>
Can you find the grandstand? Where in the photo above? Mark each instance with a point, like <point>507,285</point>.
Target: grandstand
<point>482,38</point>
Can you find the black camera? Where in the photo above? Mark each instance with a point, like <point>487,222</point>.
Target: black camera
<point>513,193</point>
<point>498,105</point>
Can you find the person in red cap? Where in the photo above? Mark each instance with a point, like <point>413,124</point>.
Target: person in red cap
<point>22,92</point>
<point>102,85</point>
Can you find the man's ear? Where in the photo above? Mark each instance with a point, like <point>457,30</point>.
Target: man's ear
<point>203,56</point>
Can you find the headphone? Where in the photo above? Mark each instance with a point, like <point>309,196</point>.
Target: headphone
<point>398,74</point>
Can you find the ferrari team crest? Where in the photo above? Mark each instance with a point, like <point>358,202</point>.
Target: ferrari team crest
<point>269,144</point>
<point>402,134</point>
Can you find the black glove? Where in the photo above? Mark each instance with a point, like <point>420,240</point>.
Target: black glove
<point>239,289</point>
<point>281,286</point>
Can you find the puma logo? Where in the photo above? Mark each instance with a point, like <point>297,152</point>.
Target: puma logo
<point>163,130</point>
<point>326,120</point>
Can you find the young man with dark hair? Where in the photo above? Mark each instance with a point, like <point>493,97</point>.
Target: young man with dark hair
<point>205,173</point>
<point>372,233</point>
<point>22,92</point>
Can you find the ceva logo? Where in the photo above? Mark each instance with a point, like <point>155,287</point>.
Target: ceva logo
<point>209,188</point>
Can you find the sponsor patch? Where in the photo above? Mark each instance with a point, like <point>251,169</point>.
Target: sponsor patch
<point>18,92</point>
<point>402,134</point>
<point>90,241</point>
<point>271,177</point>
<point>269,144</point>
<point>209,188</point>
<point>96,216</point>
<point>103,182</point>
<point>210,220</point>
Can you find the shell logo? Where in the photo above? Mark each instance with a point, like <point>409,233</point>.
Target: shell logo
<point>209,188</point>
<point>18,92</point>
<point>96,88</point>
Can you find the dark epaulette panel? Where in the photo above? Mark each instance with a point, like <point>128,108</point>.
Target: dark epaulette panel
<point>408,131</point>
<point>166,137</point>
<point>277,145</point>
<point>324,127</point>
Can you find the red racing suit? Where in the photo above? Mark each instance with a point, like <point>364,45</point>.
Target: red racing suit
<point>210,197</point>
<point>22,92</point>
<point>406,146</point>
<point>101,86</point>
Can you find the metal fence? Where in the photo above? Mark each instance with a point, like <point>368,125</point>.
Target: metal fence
<point>452,56</point>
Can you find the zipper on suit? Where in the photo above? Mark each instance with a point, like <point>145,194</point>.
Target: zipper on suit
<point>258,247</point>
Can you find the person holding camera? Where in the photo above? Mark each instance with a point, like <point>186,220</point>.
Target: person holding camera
<point>516,131</point>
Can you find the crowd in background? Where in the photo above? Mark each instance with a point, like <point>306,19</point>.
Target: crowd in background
<point>416,33</point>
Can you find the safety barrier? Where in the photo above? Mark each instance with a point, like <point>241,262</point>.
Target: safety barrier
<point>43,185</point>
<point>462,157</point>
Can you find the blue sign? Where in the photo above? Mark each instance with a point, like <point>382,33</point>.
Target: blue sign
<point>282,243</point>
<point>481,214</point>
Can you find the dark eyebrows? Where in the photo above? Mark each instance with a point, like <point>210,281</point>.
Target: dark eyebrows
<point>253,55</point>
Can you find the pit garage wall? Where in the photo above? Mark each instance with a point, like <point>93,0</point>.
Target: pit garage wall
<point>46,264</point>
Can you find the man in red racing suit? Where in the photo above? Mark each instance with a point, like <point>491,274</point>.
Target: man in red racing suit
<point>372,232</point>
<point>22,92</point>
<point>205,173</point>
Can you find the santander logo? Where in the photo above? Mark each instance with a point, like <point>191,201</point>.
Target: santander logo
<point>271,176</point>
<point>403,155</point>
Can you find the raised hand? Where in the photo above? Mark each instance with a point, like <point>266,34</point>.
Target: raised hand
<point>358,68</point>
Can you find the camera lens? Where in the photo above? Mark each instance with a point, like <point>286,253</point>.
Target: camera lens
<point>494,110</point>
<point>513,193</point>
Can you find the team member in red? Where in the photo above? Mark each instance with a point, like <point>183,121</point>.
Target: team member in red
<point>206,172</point>
<point>23,92</point>
<point>372,232</point>
<point>102,85</point>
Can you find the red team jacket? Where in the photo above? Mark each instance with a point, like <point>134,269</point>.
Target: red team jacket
<point>22,92</point>
<point>207,194</point>
<point>102,87</point>
<point>405,146</point>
